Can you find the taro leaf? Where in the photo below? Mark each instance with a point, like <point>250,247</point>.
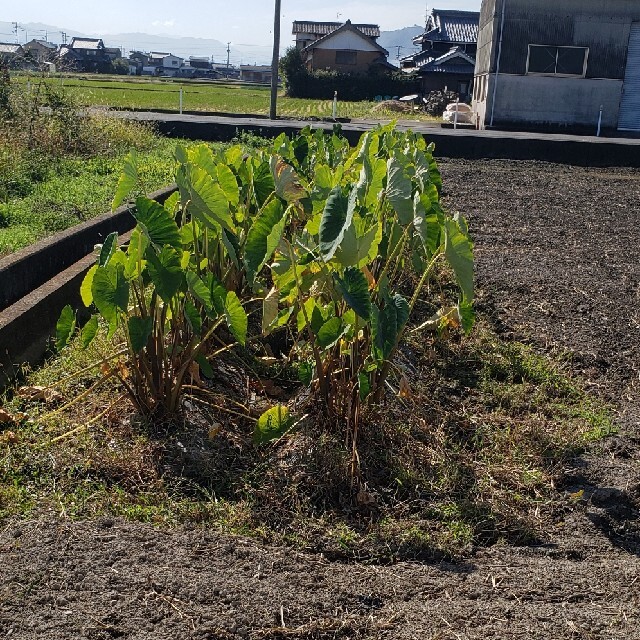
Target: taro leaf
<point>128,179</point>
<point>272,424</point>
<point>231,244</point>
<point>110,291</point>
<point>387,325</point>
<point>263,183</point>
<point>193,317</point>
<point>89,332</point>
<point>218,296</point>
<point>85,287</point>
<point>199,289</point>
<point>65,327</point>
<point>355,290</point>
<point>236,317</point>
<point>305,373</point>
<point>270,310</point>
<point>399,191</point>
<point>359,247</point>
<point>228,183</point>
<point>458,250</point>
<point>139,332</point>
<point>135,252</point>
<point>364,385</point>
<point>157,223</point>
<point>301,149</point>
<point>330,332</point>
<point>286,180</point>
<point>205,367</point>
<point>180,154</point>
<point>165,271</point>
<point>337,217</point>
<point>209,203</point>
<point>467,316</point>
<point>263,237</point>
<point>109,246</point>
<point>427,224</point>
<point>172,202</point>
<point>202,156</point>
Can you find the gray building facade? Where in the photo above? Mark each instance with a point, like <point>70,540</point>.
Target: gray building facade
<point>544,63</point>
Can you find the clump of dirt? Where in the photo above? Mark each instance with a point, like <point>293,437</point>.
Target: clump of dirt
<point>394,105</point>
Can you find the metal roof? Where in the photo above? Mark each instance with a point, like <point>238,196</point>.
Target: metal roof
<point>7,47</point>
<point>87,43</point>
<point>444,25</point>
<point>454,61</point>
<point>325,28</point>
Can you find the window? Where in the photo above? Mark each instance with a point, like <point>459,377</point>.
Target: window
<point>346,57</point>
<point>557,61</point>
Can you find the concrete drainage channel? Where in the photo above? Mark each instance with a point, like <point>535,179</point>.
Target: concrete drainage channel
<point>38,281</point>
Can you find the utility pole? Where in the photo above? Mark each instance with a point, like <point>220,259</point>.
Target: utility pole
<point>228,54</point>
<point>64,37</point>
<point>15,30</point>
<point>273,111</point>
<point>399,47</point>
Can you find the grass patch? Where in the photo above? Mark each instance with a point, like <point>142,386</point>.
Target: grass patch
<point>209,96</point>
<point>469,459</point>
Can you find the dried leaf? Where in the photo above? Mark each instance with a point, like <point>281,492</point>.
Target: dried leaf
<point>5,416</point>
<point>369,276</point>
<point>43,394</point>
<point>10,437</point>
<point>405,388</point>
<point>214,430</point>
<point>365,498</point>
<point>194,372</point>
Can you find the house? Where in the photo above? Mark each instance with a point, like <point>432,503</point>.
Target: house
<point>155,58</point>
<point>86,54</point>
<point>40,51</point>
<point>11,54</point>
<point>447,57</point>
<point>343,47</point>
<point>556,65</point>
<point>256,73</point>
<point>224,70</point>
<point>113,53</point>
<point>200,62</point>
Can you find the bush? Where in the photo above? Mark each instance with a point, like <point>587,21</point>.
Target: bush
<point>300,83</point>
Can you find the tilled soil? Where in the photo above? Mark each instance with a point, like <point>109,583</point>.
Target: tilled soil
<point>557,266</point>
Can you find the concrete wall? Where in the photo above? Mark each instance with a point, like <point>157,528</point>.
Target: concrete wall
<point>544,100</point>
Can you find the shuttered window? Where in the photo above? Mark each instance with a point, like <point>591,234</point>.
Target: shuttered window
<point>346,57</point>
<point>557,61</point>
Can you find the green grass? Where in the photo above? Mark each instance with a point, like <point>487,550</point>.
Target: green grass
<point>74,190</point>
<point>210,96</point>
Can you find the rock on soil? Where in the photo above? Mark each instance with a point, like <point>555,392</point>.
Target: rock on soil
<point>557,266</point>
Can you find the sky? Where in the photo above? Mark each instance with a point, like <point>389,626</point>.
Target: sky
<point>248,22</point>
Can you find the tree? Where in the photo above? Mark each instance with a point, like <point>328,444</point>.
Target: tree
<point>293,70</point>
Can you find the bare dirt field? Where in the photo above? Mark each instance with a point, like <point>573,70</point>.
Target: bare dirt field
<point>557,266</point>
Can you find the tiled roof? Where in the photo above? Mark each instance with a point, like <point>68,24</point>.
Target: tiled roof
<point>454,61</point>
<point>347,26</point>
<point>42,43</point>
<point>446,25</point>
<point>325,28</point>
<point>86,43</point>
<point>6,47</point>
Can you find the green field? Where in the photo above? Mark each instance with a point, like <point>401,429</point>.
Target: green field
<point>229,97</point>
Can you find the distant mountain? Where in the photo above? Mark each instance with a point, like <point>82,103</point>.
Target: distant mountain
<point>201,47</point>
<point>391,40</point>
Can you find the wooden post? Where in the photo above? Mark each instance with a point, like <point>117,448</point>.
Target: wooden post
<point>273,111</point>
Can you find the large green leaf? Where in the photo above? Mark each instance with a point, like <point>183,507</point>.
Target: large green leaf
<point>427,223</point>
<point>399,191</point>
<point>336,218</point>
<point>263,237</point>
<point>199,289</point>
<point>209,204</point>
<point>85,288</point>
<point>89,332</point>
<point>263,184</point>
<point>139,332</point>
<point>355,289</point>
<point>359,246</point>
<point>387,325</point>
<point>128,179</point>
<point>272,424</point>
<point>65,327</point>
<point>110,291</point>
<point>236,317</point>
<point>228,183</point>
<point>193,317</point>
<point>109,246</point>
<point>157,223</point>
<point>135,263</point>
<point>166,272</point>
<point>458,250</point>
<point>330,332</point>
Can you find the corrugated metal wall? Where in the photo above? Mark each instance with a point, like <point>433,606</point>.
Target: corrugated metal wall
<point>602,26</point>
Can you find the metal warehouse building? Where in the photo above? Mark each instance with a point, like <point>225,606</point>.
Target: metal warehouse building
<point>556,63</point>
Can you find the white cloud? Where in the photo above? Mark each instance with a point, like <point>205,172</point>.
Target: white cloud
<point>163,23</point>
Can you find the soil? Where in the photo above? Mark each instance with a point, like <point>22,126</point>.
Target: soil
<point>557,266</point>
